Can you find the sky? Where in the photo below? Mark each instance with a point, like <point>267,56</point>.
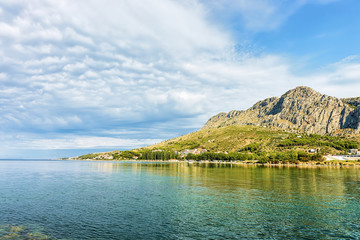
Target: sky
<point>89,76</point>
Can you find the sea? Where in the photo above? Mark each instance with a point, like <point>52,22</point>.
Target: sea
<point>61,199</point>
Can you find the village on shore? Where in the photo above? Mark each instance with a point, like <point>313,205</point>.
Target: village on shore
<point>350,159</point>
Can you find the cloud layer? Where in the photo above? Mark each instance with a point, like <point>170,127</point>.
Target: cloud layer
<point>118,73</point>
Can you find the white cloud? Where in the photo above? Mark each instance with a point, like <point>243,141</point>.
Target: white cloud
<point>89,142</point>
<point>6,30</point>
<point>77,49</point>
<point>25,142</point>
<point>78,67</point>
<point>340,79</point>
<point>73,35</point>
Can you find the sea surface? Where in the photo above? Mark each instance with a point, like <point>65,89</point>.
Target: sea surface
<point>44,199</point>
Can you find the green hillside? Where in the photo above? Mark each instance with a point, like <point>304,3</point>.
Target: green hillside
<point>239,143</point>
<point>256,139</point>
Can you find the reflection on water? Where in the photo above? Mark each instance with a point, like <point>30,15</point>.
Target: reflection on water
<point>320,181</point>
<point>126,200</point>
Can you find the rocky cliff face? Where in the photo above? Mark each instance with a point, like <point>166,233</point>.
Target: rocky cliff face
<point>300,109</point>
<point>353,102</point>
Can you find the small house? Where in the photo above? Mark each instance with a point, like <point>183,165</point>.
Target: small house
<point>354,151</point>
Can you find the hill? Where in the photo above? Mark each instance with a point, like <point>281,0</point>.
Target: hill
<point>239,143</point>
<point>257,139</point>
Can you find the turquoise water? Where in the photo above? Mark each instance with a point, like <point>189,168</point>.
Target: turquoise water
<point>119,200</point>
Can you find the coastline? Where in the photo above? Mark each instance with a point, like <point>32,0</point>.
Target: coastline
<point>331,163</point>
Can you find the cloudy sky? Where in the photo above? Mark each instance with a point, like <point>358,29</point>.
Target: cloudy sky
<point>88,76</point>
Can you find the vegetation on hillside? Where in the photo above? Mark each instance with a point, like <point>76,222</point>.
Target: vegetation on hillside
<point>262,157</point>
<point>240,143</point>
<point>254,139</point>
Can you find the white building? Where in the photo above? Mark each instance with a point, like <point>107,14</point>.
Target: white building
<point>354,151</point>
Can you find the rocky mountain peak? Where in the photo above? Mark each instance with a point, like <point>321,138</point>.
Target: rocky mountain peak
<point>301,92</point>
<point>299,109</point>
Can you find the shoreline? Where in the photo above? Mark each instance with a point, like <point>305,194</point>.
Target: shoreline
<point>331,163</point>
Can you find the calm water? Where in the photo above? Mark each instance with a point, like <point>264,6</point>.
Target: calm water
<point>112,200</point>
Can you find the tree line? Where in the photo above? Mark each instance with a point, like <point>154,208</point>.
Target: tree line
<point>263,157</point>
<point>339,144</point>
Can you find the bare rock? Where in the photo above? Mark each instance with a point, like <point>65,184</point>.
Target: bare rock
<point>299,109</point>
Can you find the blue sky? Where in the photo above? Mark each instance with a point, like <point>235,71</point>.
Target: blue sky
<point>90,76</point>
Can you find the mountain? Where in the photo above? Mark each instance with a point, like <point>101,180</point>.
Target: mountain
<point>300,120</point>
<point>297,125</point>
<point>299,110</point>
